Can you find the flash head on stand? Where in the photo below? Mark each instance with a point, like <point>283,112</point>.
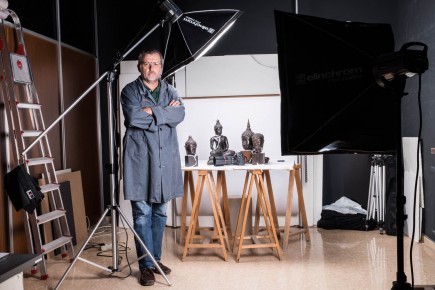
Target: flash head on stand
<point>171,10</point>
<point>406,63</point>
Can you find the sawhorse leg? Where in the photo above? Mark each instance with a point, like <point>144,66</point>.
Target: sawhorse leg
<point>188,188</point>
<point>221,190</point>
<point>256,176</point>
<point>205,177</point>
<point>294,178</point>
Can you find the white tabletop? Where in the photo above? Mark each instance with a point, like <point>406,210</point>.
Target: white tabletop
<point>271,165</point>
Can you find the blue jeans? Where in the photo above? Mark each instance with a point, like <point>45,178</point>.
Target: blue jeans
<point>149,221</point>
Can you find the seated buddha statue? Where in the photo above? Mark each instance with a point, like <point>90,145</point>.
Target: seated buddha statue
<point>219,144</point>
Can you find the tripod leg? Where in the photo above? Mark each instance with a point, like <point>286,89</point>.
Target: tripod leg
<point>81,250</point>
<point>369,201</point>
<point>383,192</point>
<point>143,245</point>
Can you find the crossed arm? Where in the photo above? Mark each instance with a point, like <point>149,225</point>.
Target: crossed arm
<point>173,103</point>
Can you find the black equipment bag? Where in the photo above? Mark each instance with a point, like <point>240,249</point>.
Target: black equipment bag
<point>23,190</point>
<point>331,219</point>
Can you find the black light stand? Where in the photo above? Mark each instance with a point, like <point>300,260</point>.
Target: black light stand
<point>396,89</point>
<point>112,168</point>
<point>188,40</point>
<point>391,72</point>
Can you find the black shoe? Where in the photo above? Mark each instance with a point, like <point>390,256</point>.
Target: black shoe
<point>147,277</point>
<point>165,269</point>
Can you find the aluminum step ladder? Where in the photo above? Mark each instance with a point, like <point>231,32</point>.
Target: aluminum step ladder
<point>47,227</point>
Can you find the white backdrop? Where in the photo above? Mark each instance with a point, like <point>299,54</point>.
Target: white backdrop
<point>410,172</point>
<point>235,89</point>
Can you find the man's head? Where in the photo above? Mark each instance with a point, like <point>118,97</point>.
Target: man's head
<point>150,65</point>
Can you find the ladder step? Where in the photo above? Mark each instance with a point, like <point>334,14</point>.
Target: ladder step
<point>26,120</point>
<point>49,187</point>
<point>42,219</point>
<point>28,106</point>
<point>39,161</point>
<point>31,133</point>
<point>57,243</point>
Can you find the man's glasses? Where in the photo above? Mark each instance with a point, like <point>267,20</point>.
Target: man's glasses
<point>152,63</point>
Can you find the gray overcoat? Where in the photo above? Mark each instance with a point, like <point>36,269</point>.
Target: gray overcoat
<point>152,167</point>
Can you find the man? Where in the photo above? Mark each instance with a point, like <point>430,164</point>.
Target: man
<point>152,169</point>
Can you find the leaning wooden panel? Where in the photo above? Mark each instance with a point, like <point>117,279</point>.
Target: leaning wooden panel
<point>78,204</point>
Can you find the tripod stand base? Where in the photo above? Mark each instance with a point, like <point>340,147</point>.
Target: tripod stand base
<point>114,247</point>
<point>416,287</point>
<point>404,286</point>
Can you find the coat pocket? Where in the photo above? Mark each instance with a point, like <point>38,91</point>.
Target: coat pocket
<point>136,144</point>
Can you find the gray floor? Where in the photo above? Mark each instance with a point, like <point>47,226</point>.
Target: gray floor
<point>334,259</point>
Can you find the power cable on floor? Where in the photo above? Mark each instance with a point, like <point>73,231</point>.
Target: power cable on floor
<point>126,250</point>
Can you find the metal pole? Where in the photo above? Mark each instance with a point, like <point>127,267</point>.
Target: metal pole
<point>64,113</point>
<point>60,73</point>
<point>401,282</point>
<point>112,168</point>
<point>86,92</point>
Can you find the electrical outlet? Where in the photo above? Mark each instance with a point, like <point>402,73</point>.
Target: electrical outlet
<point>106,247</point>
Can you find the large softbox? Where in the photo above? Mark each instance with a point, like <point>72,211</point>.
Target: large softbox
<point>193,34</point>
<point>330,101</point>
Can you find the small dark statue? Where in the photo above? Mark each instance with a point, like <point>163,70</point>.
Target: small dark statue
<point>247,143</point>
<point>257,142</point>
<point>220,153</point>
<point>190,159</point>
<point>247,138</point>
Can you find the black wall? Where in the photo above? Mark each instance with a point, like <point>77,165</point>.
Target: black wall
<point>346,175</point>
<point>76,19</point>
<point>119,24</point>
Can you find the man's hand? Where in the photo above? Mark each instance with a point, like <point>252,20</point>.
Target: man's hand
<point>147,110</point>
<point>174,103</point>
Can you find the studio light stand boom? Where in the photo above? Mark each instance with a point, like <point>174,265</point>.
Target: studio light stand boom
<point>112,166</point>
<point>112,171</point>
<point>197,32</point>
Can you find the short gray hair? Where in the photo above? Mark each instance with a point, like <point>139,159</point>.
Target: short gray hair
<point>152,51</point>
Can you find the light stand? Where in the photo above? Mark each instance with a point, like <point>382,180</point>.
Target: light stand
<point>188,40</point>
<point>112,170</point>
<point>391,72</point>
<point>397,89</point>
<point>376,196</point>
